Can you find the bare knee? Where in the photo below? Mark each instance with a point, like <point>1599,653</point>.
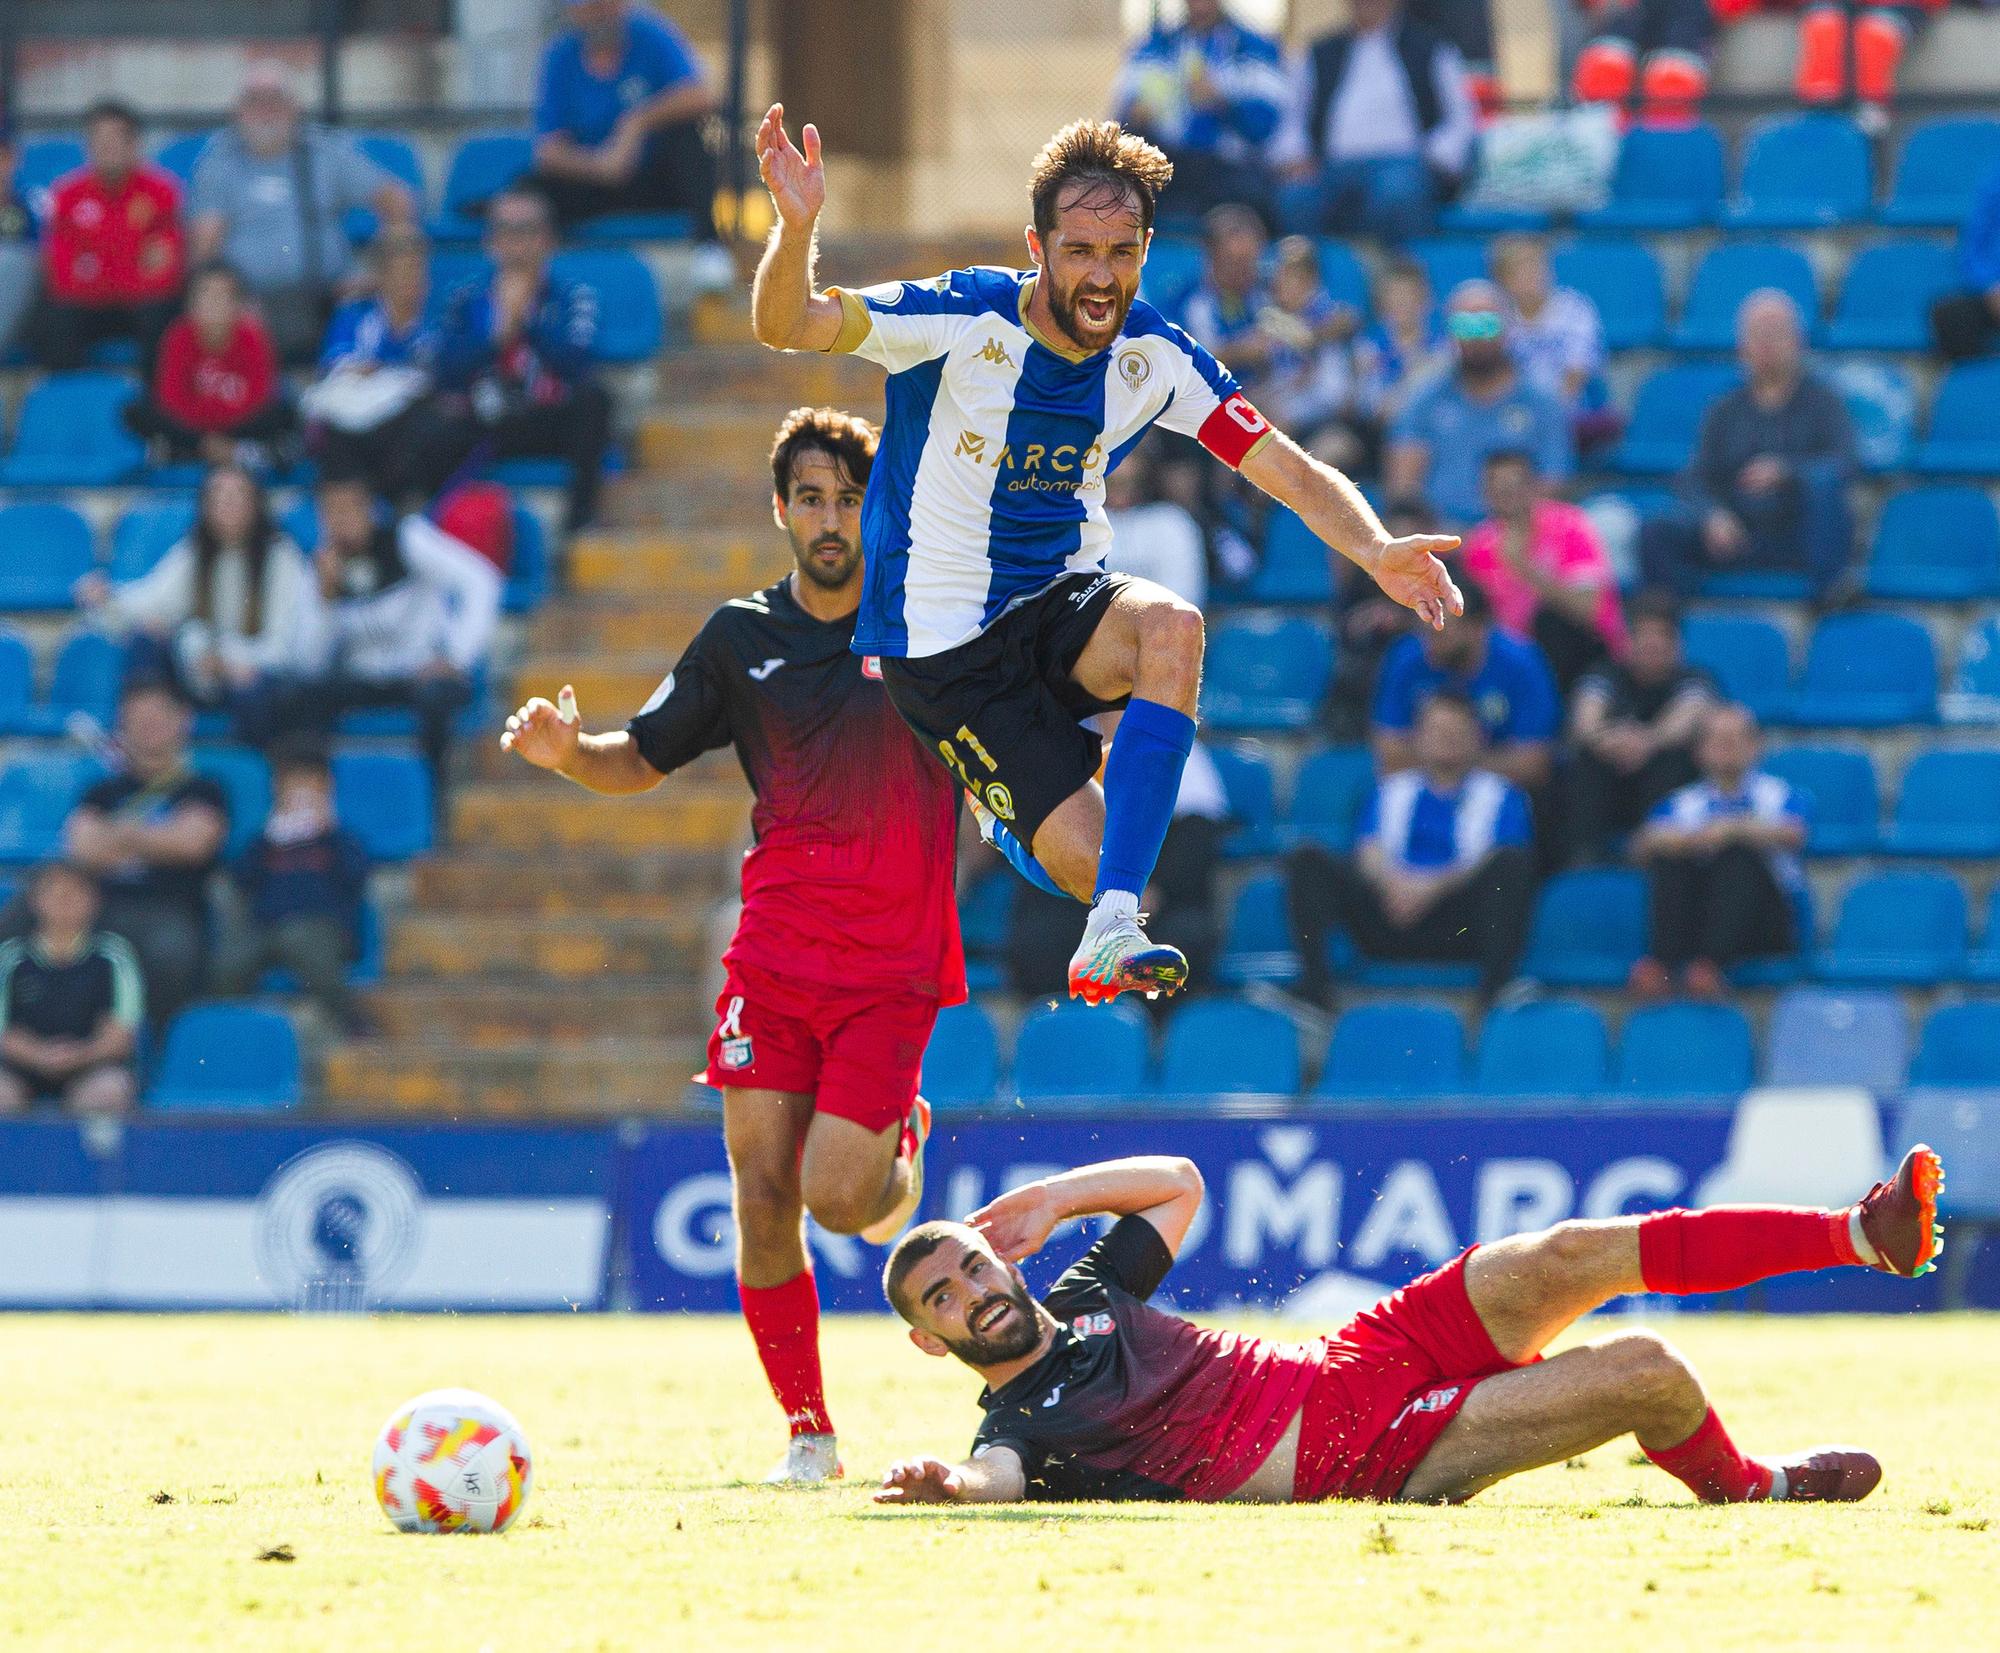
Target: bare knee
<point>1571,1246</point>
<point>1170,637</point>
<point>840,1206</point>
<point>768,1209</point>
<point>107,1091</point>
<point>1657,1388</point>
<point>13,1093</point>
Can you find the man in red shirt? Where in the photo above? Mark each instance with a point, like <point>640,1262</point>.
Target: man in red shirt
<point>215,385</point>
<point>848,944</point>
<point>1430,1396</point>
<point>113,254</point>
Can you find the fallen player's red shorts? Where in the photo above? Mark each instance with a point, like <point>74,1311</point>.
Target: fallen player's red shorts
<point>1394,1376</point>
<point>857,1055</point>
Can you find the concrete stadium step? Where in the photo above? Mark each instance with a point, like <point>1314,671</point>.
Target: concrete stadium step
<point>687,499</point>
<point>705,565</point>
<point>500,946</point>
<point>608,691</point>
<point>725,438</point>
<point>734,376</point>
<point>628,884</point>
<point>491,1014</point>
<point>527,1078</point>
<point>685,818</point>
<point>661,629</point>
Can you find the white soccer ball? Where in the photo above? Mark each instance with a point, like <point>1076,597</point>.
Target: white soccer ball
<point>452,1461</point>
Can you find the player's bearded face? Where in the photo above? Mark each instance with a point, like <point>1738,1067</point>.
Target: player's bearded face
<point>1000,1322</point>
<point>823,521</point>
<point>1091,262</point>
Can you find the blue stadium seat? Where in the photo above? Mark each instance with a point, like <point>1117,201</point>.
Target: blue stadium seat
<point>44,550</point>
<point>1949,805</point>
<point>962,1061</point>
<point>1965,1130</point>
<point>1886,300</point>
<point>1622,278</point>
<point>1749,658</point>
<point>1171,273</point>
<point>1399,1050</point>
<point>1078,1051</point>
<point>1666,416</point>
<point>1329,795</point>
<point>36,796</point>
<point>70,435</point>
<point>629,325</point>
<point>245,776</point>
<point>1783,969</point>
<point>985,902</point>
<point>397,157</point>
<point>1978,675</point>
<point>145,534</point>
<point>17,682</point>
<point>179,155</point>
<point>1942,165</point>
<point>1461,219</point>
<point>482,167</point>
<point>530,579</point>
<point>1984,964</point>
<point>42,161</point>
<point>1224,1047</point>
<point>1342,273</point>
<point>1449,260</point>
<point>1295,567</point>
<point>1728,274</point>
<point>1963,439</point>
<point>1902,928</point>
<point>1881,403</point>
<point>1686,1050</point>
<point>1667,178</point>
<point>1265,674</point>
<point>1867,670</point>
<point>1938,544</point>
<point>1960,1045</point>
<point>1824,1036</point>
<point>384,799</point>
<point>88,673</point>
<point>1408,975</point>
<point>1802,172</point>
<point>1246,777</point>
<point>1589,928</point>
<point>1258,946</point>
<point>1548,1047</point>
<point>227,1058</point>
<point>1840,782</point>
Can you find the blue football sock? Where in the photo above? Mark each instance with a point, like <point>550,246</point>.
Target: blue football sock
<point>1141,782</point>
<point>1024,862</point>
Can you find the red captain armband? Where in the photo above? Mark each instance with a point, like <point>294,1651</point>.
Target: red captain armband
<point>1233,429</point>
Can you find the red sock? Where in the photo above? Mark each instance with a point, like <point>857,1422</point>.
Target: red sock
<point>1686,1252</point>
<point>784,1320</point>
<point>1708,1463</point>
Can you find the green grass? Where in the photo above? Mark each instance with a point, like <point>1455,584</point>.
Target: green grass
<point>150,1462</point>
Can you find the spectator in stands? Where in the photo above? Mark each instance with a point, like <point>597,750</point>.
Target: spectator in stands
<point>1633,725</point>
<point>113,257</point>
<point>301,884</point>
<point>515,367</point>
<point>71,1002</point>
<point>378,369</point>
<point>1554,333</point>
<point>1406,344</point>
<point>619,118</point>
<point>1152,537</point>
<point>1210,93</point>
<point>1770,481</point>
<point>1381,128</point>
<point>1438,446</point>
<point>1367,625</point>
<point>1505,679</point>
<point>1834,34</point>
<point>216,396</point>
<point>1657,47</point>
<point>1222,311</point>
<point>19,257</point>
<point>405,618</point>
<point>1311,385</point>
<point>1443,867</point>
<point>1722,859</point>
<point>1967,322</point>
<point>153,834</point>
<point>1542,566</point>
<point>270,197</point>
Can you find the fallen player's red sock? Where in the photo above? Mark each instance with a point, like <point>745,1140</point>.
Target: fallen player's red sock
<point>1685,1252</point>
<point>784,1320</point>
<point>1708,1463</point>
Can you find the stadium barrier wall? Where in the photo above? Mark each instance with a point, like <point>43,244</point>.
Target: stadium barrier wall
<point>1314,1212</point>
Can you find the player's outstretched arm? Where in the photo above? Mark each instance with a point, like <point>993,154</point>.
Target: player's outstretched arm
<point>551,737</point>
<point>1163,1188</point>
<point>785,311</point>
<point>1406,569</point>
<point>994,1477</point>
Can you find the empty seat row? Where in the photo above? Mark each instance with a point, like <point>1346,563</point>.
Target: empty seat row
<point>1862,670</point>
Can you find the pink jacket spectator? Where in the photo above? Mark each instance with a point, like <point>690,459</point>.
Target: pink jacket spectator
<point>1562,541</point>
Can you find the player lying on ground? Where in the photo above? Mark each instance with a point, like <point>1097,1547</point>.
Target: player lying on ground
<point>1011,395</point>
<point>848,943</point>
<point>1432,1395</point>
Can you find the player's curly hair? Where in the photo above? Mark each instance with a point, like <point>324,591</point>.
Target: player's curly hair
<point>1105,156</point>
<point>846,438</point>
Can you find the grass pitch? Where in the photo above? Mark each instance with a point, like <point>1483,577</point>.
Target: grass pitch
<point>154,1466</point>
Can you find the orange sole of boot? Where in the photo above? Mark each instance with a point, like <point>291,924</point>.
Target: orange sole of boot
<point>1929,1183</point>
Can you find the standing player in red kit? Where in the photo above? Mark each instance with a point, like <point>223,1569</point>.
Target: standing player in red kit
<point>848,944</point>
<point>1430,1396</point>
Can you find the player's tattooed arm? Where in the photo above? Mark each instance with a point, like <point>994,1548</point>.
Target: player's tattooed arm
<point>1163,1188</point>
<point>550,736</point>
<point>994,1477</point>
<point>786,312</point>
<point>1407,569</point>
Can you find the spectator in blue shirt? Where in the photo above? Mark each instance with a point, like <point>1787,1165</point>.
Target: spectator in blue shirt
<point>1506,680</point>
<point>619,116</point>
<point>515,366</point>
<point>1967,322</point>
<point>1210,93</point>
<point>1722,859</point>
<point>377,370</point>
<point>1439,445</point>
<point>1222,311</point>
<point>1443,868</point>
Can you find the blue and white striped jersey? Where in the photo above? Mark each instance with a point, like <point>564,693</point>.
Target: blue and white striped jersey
<point>989,483</point>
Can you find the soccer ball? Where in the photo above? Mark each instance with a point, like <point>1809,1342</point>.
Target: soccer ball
<point>452,1461</point>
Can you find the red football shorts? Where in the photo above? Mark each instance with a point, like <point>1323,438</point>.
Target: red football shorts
<point>858,1057</point>
<point>1394,1376</point>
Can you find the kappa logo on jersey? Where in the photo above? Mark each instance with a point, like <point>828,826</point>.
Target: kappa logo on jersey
<point>759,673</point>
<point>995,352</point>
<point>871,667</point>
<point>1091,1325</point>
